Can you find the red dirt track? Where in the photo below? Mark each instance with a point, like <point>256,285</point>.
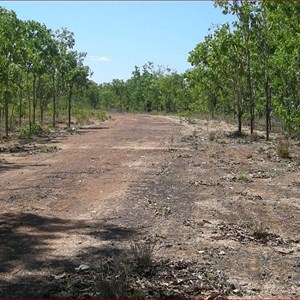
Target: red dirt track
<point>229,204</point>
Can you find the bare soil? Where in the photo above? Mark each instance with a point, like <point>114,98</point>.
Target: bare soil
<point>222,212</point>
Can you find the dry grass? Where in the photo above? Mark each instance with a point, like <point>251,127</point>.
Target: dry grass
<point>142,253</point>
<point>255,137</point>
<point>260,231</point>
<point>283,146</point>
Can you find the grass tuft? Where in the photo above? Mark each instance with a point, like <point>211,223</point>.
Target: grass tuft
<point>142,253</point>
<point>283,147</point>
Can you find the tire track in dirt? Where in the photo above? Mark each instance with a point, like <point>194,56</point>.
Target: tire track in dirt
<point>90,170</point>
<point>65,208</point>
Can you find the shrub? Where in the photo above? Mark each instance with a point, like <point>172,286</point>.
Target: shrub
<point>142,253</point>
<point>283,146</point>
<point>242,177</point>
<point>102,115</point>
<point>25,132</point>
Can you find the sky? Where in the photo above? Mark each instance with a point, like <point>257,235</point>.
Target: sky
<point>119,35</point>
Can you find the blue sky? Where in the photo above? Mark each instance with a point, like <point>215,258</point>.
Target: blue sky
<point>117,35</point>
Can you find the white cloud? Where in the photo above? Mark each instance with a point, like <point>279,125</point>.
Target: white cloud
<point>99,58</point>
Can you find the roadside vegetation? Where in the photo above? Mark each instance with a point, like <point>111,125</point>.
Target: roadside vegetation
<point>43,80</point>
<point>247,70</point>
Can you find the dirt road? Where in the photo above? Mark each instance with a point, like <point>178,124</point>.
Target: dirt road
<point>200,195</point>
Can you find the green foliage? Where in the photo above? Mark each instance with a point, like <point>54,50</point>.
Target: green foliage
<point>26,85</point>
<point>153,89</point>
<point>26,131</point>
<point>102,115</point>
<point>250,68</point>
<point>246,69</point>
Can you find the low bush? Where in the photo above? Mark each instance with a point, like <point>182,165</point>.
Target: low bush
<point>283,147</point>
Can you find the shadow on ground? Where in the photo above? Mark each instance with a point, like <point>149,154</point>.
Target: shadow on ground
<point>26,239</point>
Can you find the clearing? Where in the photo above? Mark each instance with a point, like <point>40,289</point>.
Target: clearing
<point>150,206</point>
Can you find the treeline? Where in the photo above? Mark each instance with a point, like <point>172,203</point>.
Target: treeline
<point>40,73</point>
<point>252,66</point>
<point>249,69</point>
<point>151,88</point>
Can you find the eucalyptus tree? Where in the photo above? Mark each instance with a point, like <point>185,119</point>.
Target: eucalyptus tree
<point>92,94</point>
<point>182,92</point>
<point>234,70</point>
<point>76,75</point>
<point>147,86</point>
<point>136,86</point>
<point>205,77</point>
<point>10,37</point>
<point>17,93</point>
<point>38,50</point>
<point>172,90</point>
<point>63,41</point>
<point>266,41</point>
<point>150,86</point>
<point>246,13</point>
<point>284,19</point>
<point>118,87</point>
<point>106,95</point>
<point>219,70</point>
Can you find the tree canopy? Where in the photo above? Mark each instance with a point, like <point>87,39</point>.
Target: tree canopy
<point>36,65</point>
<point>248,69</point>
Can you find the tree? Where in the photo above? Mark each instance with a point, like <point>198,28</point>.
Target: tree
<point>265,42</point>
<point>64,42</point>
<point>284,19</point>
<point>38,49</point>
<point>219,70</point>
<point>76,75</point>
<point>245,11</point>
<point>10,36</point>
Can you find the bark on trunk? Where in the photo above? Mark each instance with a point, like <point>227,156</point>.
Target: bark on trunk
<point>70,105</point>
<point>53,101</point>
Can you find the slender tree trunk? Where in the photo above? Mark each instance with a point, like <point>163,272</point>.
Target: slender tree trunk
<point>39,96</point>
<point>20,108</point>
<point>250,87</point>
<point>267,94</point>
<point>239,105</point>
<point>240,119</point>
<point>42,113</point>
<point>70,104</point>
<point>268,100</point>
<point>267,77</point>
<point>40,99</point>
<point>34,102</point>
<point>270,109</point>
<point>6,100</point>
<point>246,34</point>
<point>29,102</point>
<point>54,101</point>
<point>12,116</point>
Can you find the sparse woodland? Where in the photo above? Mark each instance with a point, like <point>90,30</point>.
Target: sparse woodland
<point>248,70</point>
<point>153,207</point>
